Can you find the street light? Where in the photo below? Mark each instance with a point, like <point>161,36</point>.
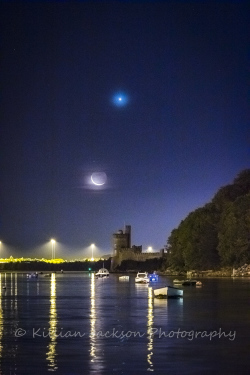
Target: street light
<point>150,249</point>
<point>92,251</point>
<point>53,248</point>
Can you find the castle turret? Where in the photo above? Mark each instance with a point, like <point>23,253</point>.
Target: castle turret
<point>128,232</point>
<point>122,246</point>
<point>120,241</point>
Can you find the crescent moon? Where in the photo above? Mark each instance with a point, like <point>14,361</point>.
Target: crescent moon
<point>100,178</point>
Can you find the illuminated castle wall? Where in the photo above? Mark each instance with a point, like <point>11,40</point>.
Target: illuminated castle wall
<point>122,249</point>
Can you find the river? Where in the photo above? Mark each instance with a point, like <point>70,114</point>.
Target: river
<point>72,323</point>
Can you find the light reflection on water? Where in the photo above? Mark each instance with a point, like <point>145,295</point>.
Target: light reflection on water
<point>51,353</point>
<point>150,326</point>
<point>92,319</point>
<point>95,351</point>
<point>1,317</point>
<point>82,303</point>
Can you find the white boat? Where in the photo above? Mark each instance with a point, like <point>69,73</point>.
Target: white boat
<point>142,278</point>
<point>103,272</point>
<point>124,278</point>
<point>168,292</point>
<point>176,281</point>
<point>32,275</point>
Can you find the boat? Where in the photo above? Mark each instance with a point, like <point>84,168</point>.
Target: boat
<point>32,275</point>
<point>153,276</point>
<point>198,283</point>
<point>102,273</point>
<point>189,282</point>
<point>124,278</point>
<point>142,278</point>
<point>179,282</point>
<point>168,292</point>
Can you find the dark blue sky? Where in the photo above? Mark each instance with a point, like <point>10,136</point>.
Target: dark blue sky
<point>182,133</point>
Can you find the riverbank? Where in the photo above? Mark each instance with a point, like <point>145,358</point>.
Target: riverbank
<point>48,266</point>
<point>224,272</point>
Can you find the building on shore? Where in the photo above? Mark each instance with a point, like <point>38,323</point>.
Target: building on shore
<point>123,250</point>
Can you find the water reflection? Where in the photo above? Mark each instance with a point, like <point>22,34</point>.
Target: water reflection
<point>1,318</point>
<point>96,350</point>
<point>13,292</point>
<point>150,323</point>
<point>14,317</point>
<point>51,354</point>
<point>166,308</point>
<point>92,319</point>
<point>11,288</point>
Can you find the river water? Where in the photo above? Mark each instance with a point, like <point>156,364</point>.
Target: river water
<point>72,323</point>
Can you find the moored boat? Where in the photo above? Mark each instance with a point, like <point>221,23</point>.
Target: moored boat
<point>142,278</point>
<point>168,292</point>
<point>32,275</point>
<point>153,276</point>
<point>102,273</point>
<point>189,282</point>
<point>124,278</point>
<point>178,282</point>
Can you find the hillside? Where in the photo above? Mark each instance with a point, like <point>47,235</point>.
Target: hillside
<point>217,234</point>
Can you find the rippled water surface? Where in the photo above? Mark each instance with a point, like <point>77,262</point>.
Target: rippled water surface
<point>72,323</point>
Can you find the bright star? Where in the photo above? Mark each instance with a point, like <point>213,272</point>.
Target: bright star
<point>120,99</point>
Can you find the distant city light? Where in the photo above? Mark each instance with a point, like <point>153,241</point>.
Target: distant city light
<point>150,249</point>
<point>53,248</point>
<point>92,251</point>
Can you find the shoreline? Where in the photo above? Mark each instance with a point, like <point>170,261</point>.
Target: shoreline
<point>205,275</point>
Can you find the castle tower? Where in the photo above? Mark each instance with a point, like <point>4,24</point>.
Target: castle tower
<point>120,241</point>
<point>128,232</point>
<point>122,248</point>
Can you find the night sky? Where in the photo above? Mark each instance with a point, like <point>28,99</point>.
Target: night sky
<point>153,94</point>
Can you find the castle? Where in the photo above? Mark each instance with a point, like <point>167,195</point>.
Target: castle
<point>122,249</point>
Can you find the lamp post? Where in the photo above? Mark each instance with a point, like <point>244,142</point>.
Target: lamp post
<point>53,248</point>
<point>92,251</point>
<point>150,249</point>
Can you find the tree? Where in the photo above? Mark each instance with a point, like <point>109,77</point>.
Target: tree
<point>217,234</point>
<point>234,233</point>
<point>194,243</point>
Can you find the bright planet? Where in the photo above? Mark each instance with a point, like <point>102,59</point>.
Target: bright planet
<point>98,178</point>
<point>120,99</point>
